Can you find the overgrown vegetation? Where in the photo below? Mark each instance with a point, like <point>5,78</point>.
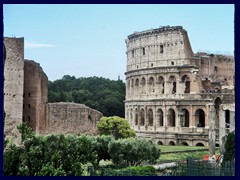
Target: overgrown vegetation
<point>102,94</point>
<point>229,154</point>
<point>68,155</point>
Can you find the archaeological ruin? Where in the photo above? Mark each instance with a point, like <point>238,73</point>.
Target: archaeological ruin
<point>26,99</point>
<point>175,96</point>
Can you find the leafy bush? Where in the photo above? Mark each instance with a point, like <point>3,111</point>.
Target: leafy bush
<point>116,126</point>
<point>131,152</point>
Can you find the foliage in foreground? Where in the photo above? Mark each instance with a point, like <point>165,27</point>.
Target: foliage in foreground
<point>229,154</point>
<point>68,155</point>
<point>116,126</point>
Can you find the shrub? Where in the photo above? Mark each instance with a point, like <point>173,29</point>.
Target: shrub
<point>131,152</point>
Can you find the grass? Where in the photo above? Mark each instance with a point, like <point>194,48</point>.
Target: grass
<point>178,156</point>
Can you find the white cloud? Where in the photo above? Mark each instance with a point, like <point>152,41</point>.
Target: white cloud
<point>29,44</point>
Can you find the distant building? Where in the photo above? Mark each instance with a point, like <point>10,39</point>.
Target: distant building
<point>176,97</point>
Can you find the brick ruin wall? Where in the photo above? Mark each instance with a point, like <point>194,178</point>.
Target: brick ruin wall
<point>71,118</point>
<point>13,87</point>
<point>35,96</point>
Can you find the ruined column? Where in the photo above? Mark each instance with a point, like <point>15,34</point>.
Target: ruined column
<point>212,133</point>
<point>232,121</point>
<point>222,130</point>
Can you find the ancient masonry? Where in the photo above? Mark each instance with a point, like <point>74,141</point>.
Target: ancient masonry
<point>26,99</point>
<point>176,97</point>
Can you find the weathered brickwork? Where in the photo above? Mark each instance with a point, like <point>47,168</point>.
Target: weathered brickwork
<point>26,99</point>
<point>35,96</point>
<point>71,118</point>
<point>172,93</point>
<point>13,87</point>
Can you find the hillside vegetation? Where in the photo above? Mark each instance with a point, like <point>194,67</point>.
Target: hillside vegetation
<point>99,93</point>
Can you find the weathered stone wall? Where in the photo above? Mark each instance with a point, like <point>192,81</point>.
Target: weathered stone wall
<point>165,101</point>
<point>67,118</point>
<point>35,96</point>
<point>13,87</point>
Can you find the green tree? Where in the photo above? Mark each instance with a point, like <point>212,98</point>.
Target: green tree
<point>116,126</point>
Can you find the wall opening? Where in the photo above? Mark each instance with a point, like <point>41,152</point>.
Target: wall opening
<point>142,120</point>
<point>227,118</point>
<point>137,86</point>
<point>185,118</point>
<point>184,144</point>
<point>171,118</point>
<point>186,80</point>
<point>160,143</point>
<point>132,53</point>
<point>143,85</point>
<point>199,144</point>
<point>161,49</point>
<point>143,51</point>
<point>136,117</point>
<point>160,117</point>
<point>200,118</point>
<point>150,117</point>
<point>171,143</point>
<point>151,84</point>
<point>217,103</point>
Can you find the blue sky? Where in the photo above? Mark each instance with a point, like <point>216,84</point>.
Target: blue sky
<point>89,40</point>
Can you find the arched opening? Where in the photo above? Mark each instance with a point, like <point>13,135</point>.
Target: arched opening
<point>185,118</point>
<point>161,84</point>
<point>172,80</point>
<point>171,118</point>
<point>184,144</point>
<point>216,145</point>
<point>227,118</point>
<point>128,87</point>
<point>150,117</point>
<point>217,103</point>
<point>171,143</point>
<point>160,117</point>
<point>142,120</point>
<point>137,86</point>
<point>160,143</point>
<point>132,86</point>
<point>199,144</point>
<point>143,82</point>
<point>186,81</point>
<point>151,85</point>
<point>200,118</point>
<point>131,116</point>
<point>136,117</point>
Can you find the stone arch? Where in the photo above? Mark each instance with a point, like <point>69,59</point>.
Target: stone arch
<point>160,117</point>
<point>184,118</point>
<point>186,80</point>
<point>143,83</point>
<point>200,118</point>
<point>171,143</point>
<point>136,117</point>
<point>151,84</point>
<point>142,119</point>
<point>184,144</point>
<point>150,117</point>
<point>159,143</point>
<point>137,86</point>
<point>199,144</point>
<point>171,118</point>
<point>161,84</point>
<point>173,87</point>
<point>217,103</point>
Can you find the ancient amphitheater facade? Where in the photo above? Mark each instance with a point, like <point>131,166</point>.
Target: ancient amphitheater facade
<point>176,97</point>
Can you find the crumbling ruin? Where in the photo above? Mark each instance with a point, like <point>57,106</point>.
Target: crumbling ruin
<point>176,97</point>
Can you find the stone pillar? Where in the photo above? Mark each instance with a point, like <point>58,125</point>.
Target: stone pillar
<point>232,121</point>
<point>191,123</point>
<point>222,130</point>
<point>212,133</point>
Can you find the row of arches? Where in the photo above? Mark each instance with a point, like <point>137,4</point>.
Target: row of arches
<point>140,117</point>
<point>143,86</point>
<point>172,143</point>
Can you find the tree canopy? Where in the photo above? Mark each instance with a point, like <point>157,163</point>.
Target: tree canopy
<point>99,93</point>
<point>116,126</point>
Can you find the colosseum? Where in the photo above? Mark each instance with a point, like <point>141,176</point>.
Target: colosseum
<point>175,96</point>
